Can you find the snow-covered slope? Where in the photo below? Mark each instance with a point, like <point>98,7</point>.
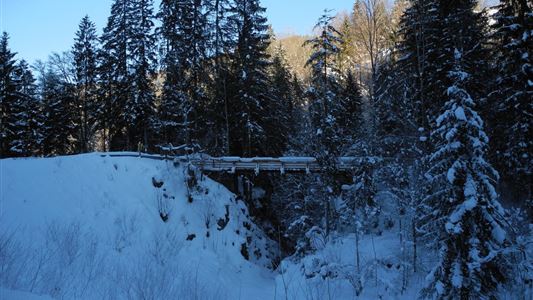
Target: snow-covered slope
<point>91,226</point>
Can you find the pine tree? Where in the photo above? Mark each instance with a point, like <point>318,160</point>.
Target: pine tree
<point>139,111</point>
<point>58,126</point>
<point>29,120</point>
<point>85,64</point>
<point>248,79</point>
<point>174,107</point>
<point>322,95</point>
<point>115,88</point>
<point>300,125</point>
<point>463,211</point>
<point>348,55</point>
<point>511,107</point>
<point>349,109</point>
<point>222,38</point>
<point>185,30</point>
<point>430,30</point>
<point>418,53</point>
<point>9,99</point>
<point>126,72</point>
<point>281,105</point>
<point>325,85</point>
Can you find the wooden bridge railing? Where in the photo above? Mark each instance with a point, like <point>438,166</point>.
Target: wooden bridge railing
<point>232,164</point>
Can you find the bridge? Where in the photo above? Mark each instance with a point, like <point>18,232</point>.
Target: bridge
<point>233,164</point>
<point>268,164</point>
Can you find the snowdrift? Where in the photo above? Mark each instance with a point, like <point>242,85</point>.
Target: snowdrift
<point>100,227</point>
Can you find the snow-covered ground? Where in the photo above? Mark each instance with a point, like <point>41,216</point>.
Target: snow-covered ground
<point>332,273</point>
<point>91,227</point>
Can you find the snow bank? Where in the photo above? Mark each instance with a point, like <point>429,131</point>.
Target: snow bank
<point>93,226</point>
<point>16,295</point>
<point>332,272</point>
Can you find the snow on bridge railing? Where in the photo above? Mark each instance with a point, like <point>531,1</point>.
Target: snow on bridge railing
<point>232,164</point>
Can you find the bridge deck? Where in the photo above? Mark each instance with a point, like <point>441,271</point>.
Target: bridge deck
<point>269,164</point>
<point>257,164</point>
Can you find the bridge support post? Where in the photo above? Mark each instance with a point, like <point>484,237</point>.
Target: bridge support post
<point>236,184</point>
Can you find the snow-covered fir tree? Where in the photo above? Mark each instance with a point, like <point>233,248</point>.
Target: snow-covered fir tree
<point>463,213</point>
<point>322,95</point>
<point>19,108</point>
<point>325,87</point>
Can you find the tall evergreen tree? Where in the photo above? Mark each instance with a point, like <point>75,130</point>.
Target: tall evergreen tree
<point>85,64</point>
<point>9,98</point>
<point>349,109</point>
<point>115,88</point>
<point>430,30</point>
<point>58,126</point>
<point>325,85</point>
<point>463,211</point>
<point>139,111</point>
<point>249,72</point>
<point>511,108</point>
<point>222,37</point>
<point>280,108</point>
<point>127,62</point>
<point>322,95</point>
<point>185,27</point>
<point>418,70</point>
<point>29,139</point>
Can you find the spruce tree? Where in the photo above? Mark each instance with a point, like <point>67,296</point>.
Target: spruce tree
<point>222,38</point>
<point>463,212</point>
<point>349,110</point>
<point>115,87</point>
<point>29,120</point>
<point>185,33</point>
<point>58,126</point>
<point>85,63</point>
<point>9,98</point>
<point>281,105</point>
<point>248,79</point>
<point>325,88</point>
<point>510,106</point>
<point>139,111</point>
<point>322,95</point>
<point>418,54</point>
<point>126,71</point>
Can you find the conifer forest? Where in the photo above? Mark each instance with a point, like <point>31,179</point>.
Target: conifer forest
<point>388,154</point>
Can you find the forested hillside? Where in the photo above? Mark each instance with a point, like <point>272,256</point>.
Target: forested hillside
<point>432,97</point>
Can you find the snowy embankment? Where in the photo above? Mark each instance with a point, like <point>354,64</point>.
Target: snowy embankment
<point>100,227</point>
<point>93,226</point>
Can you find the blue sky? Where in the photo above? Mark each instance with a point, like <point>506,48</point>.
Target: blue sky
<point>40,27</point>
